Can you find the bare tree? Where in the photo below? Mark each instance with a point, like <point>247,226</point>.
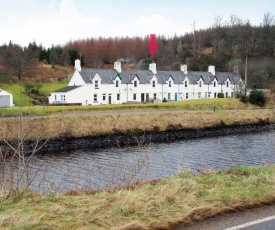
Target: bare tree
<point>19,61</point>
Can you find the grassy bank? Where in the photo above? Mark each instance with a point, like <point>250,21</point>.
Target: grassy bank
<point>78,126</point>
<point>202,104</point>
<point>157,205</point>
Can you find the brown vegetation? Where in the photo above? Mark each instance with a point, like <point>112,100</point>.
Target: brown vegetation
<point>184,198</point>
<point>78,126</point>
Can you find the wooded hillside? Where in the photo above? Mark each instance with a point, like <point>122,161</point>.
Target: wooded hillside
<point>223,44</point>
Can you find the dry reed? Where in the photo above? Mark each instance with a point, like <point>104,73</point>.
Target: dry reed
<point>78,126</point>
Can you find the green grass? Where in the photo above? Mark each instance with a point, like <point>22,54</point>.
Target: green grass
<point>20,99</point>
<point>47,88</point>
<point>193,105</point>
<point>156,205</point>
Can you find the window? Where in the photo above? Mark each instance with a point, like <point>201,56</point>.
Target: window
<point>170,83</point>
<point>209,94</point>
<point>104,97</point>
<point>155,96</point>
<point>185,83</point>
<point>118,96</point>
<point>96,84</point>
<point>199,95</point>
<point>215,95</point>
<point>214,84</point>
<point>154,84</point>
<point>169,96</point>
<point>226,94</point>
<point>134,96</point>
<point>63,98</point>
<point>200,83</point>
<point>135,83</point>
<point>95,97</point>
<point>186,95</point>
<point>117,83</point>
<point>227,84</point>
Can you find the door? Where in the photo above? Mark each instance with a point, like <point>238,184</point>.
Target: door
<point>142,97</point>
<point>110,99</point>
<point>4,101</point>
<point>147,97</point>
<point>176,97</point>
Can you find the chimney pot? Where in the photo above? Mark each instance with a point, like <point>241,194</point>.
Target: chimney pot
<point>117,66</point>
<point>211,69</point>
<point>183,68</point>
<point>153,68</point>
<point>77,65</point>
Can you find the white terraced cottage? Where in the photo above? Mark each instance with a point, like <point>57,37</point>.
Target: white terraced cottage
<point>115,86</point>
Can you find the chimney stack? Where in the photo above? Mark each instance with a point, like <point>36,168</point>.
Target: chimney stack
<point>153,68</point>
<point>211,69</point>
<point>117,66</point>
<point>77,65</point>
<point>183,68</point>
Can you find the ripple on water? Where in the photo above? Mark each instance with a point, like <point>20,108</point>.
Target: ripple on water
<point>110,167</point>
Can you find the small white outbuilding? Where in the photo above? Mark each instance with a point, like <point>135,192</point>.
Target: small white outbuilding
<point>6,99</point>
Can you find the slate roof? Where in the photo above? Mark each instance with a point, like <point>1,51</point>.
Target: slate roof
<point>145,76</point>
<point>107,75</point>
<point>66,89</point>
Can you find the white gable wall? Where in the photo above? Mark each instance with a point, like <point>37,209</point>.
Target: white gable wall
<point>76,79</point>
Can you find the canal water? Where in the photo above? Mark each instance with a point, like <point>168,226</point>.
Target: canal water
<point>91,169</point>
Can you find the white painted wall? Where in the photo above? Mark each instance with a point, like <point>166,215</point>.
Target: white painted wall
<point>76,79</point>
<point>4,93</point>
<point>122,93</point>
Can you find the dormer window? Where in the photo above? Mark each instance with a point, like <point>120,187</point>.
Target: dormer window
<point>117,83</point>
<point>227,84</point>
<point>214,84</point>
<point>135,83</point>
<point>96,84</point>
<point>200,83</point>
<point>154,84</point>
<point>185,84</point>
<point>170,83</point>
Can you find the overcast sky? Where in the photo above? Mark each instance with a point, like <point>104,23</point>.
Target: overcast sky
<point>59,21</point>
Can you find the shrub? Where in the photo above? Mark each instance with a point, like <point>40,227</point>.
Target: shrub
<point>244,98</point>
<point>257,97</point>
<point>220,95</point>
<point>164,100</point>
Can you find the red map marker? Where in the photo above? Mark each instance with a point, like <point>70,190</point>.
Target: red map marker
<point>153,45</point>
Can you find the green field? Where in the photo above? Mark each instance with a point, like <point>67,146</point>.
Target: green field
<point>21,99</point>
<point>192,105</point>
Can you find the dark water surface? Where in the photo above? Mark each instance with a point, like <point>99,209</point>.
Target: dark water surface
<point>111,167</point>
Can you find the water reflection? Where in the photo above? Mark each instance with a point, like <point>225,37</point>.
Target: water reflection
<point>112,167</point>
